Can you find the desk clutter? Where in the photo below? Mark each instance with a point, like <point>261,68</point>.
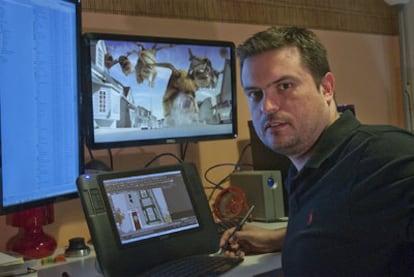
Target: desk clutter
<point>12,264</point>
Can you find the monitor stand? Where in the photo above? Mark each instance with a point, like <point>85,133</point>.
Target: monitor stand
<point>31,241</point>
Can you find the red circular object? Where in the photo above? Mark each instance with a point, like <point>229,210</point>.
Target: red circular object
<point>230,204</point>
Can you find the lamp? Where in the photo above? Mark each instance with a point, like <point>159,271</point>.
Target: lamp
<point>31,241</point>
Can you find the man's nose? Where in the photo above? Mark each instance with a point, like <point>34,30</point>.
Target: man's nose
<point>270,103</point>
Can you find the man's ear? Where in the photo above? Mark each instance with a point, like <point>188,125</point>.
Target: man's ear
<point>328,86</point>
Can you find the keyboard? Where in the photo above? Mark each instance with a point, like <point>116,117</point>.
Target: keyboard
<point>197,265</point>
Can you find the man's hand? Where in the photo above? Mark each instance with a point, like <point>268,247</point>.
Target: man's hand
<point>253,240</point>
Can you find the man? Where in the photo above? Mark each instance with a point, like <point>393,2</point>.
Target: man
<point>350,186</point>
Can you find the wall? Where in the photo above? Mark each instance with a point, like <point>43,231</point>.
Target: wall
<point>367,73</point>
<point>368,16</point>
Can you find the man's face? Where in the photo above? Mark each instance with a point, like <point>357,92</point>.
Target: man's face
<point>289,111</point>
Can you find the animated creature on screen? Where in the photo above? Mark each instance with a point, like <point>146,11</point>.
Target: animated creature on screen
<point>150,86</point>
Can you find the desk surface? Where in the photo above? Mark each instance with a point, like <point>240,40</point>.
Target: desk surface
<point>256,265</point>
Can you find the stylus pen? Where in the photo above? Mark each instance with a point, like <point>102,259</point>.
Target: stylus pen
<point>238,228</point>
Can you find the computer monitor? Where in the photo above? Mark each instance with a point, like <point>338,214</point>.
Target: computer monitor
<point>41,151</point>
<point>143,90</point>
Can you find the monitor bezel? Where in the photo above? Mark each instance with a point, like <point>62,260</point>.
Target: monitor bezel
<point>5,210</point>
<point>88,126</point>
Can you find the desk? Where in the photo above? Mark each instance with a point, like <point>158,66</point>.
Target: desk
<point>74,267</point>
<point>256,265</point>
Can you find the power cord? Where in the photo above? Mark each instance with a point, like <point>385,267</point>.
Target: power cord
<point>161,155</point>
<point>236,166</point>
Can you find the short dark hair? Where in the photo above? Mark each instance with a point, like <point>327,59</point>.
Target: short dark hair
<point>313,52</point>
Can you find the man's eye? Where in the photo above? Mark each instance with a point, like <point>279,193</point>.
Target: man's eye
<point>255,95</point>
<point>284,86</point>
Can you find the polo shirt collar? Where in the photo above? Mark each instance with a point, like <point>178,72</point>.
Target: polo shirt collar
<point>332,138</point>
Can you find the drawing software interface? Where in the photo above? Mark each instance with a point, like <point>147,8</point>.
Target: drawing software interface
<point>150,206</point>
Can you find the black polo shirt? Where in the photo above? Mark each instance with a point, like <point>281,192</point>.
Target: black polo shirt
<point>351,208</point>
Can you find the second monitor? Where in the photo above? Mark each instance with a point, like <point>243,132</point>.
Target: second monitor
<point>153,90</point>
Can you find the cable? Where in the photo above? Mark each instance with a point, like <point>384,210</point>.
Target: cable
<point>163,154</point>
<point>91,156</point>
<point>183,150</point>
<point>226,178</point>
<point>237,166</point>
<point>111,160</point>
<point>243,151</point>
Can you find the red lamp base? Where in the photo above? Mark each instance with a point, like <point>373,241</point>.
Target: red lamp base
<point>31,241</point>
